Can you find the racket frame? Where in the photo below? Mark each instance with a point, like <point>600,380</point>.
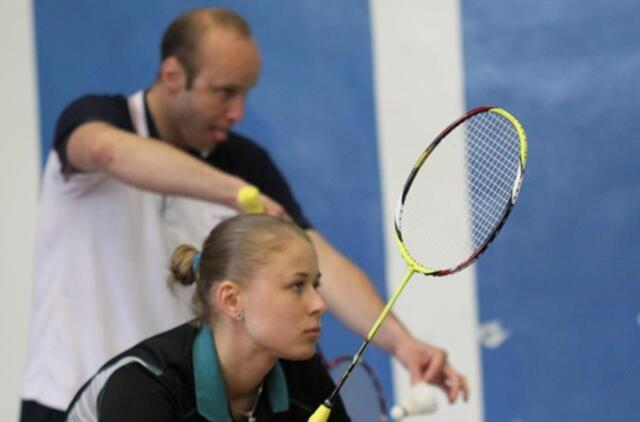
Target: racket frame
<point>323,411</point>
<point>406,255</point>
<point>382,403</point>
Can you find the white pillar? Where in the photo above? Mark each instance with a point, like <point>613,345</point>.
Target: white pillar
<point>19,181</point>
<point>419,90</point>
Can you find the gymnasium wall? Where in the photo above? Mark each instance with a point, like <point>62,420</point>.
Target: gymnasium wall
<point>19,174</point>
<point>547,324</point>
<point>563,280</point>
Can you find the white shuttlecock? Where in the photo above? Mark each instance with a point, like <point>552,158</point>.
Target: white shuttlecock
<point>420,401</point>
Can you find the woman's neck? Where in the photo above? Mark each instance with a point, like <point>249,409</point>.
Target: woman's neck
<point>243,367</point>
<point>243,408</point>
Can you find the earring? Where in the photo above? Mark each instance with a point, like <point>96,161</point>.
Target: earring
<point>240,316</point>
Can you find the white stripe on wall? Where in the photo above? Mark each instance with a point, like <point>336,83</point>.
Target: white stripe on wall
<point>419,90</point>
<point>19,175</point>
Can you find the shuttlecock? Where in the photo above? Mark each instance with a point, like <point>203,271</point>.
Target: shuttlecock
<point>420,401</point>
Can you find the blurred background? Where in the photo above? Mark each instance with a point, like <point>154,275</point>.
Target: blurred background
<point>547,324</point>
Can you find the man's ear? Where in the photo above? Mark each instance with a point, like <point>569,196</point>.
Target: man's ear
<point>228,299</point>
<point>173,75</point>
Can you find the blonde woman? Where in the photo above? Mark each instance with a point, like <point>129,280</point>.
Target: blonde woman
<point>251,353</point>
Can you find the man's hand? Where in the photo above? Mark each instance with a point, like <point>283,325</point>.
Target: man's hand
<point>250,200</point>
<point>426,363</point>
<point>271,207</point>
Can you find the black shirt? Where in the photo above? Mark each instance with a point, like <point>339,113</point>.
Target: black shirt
<point>238,155</point>
<point>175,376</point>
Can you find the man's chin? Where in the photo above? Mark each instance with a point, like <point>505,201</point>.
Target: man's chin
<point>219,136</point>
<point>212,142</point>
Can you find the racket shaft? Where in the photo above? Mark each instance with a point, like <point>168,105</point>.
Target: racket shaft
<point>387,309</point>
<point>322,410</point>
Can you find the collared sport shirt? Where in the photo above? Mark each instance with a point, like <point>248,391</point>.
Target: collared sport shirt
<point>104,245</point>
<point>176,376</point>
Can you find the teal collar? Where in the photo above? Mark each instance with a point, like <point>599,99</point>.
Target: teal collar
<point>211,395</point>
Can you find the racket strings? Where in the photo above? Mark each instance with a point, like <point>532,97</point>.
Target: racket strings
<point>460,194</point>
<point>492,157</point>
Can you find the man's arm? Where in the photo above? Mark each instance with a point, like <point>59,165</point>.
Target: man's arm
<point>152,165</point>
<point>342,282</point>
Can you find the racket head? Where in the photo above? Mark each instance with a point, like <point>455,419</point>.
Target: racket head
<point>460,191</point>
<point>363,391</point>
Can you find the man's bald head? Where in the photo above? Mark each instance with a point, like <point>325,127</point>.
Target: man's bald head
<point>183,36</point>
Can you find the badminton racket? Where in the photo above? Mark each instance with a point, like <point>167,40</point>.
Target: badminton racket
<point>363,398</point>
<point>453,204</point>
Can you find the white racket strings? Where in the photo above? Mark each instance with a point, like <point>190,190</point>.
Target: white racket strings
<point>462,191</point>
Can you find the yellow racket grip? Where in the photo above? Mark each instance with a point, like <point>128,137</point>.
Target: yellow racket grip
<point>320,415</point>
<point>249,200</point>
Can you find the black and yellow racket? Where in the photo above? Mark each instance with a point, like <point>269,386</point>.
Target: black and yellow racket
<point>363,398</point>
<point>454,202</point>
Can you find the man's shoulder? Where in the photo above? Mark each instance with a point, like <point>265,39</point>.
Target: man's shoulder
<point>105,100</point>
<point>238,155</point>
<point>109,107</point>
<point>238,142</point>
<point>112,109</point>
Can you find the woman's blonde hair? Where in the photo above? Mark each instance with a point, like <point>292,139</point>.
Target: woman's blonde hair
<point>234,250</point>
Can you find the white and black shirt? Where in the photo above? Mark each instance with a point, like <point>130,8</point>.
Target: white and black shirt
<point>103,249</point>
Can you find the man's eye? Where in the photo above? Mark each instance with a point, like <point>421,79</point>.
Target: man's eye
<point>227,93</point>
<point>298,287</point>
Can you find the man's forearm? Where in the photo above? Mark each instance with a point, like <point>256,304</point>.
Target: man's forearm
<point>149,164</point>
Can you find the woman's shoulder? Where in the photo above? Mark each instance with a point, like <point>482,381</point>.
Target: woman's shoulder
<point>155,375</point>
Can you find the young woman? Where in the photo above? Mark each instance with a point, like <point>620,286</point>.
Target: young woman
<point>251,353</point>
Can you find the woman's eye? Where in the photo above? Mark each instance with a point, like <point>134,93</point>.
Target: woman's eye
<point>298,287</point>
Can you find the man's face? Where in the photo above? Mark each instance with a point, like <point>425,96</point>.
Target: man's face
<point>227,67</point>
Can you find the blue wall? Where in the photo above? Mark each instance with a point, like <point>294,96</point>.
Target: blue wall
<point>565,280</point>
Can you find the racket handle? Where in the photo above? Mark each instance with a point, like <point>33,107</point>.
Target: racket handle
<point>321,414</point>
<point>249,200</point>
<point>420,401</point>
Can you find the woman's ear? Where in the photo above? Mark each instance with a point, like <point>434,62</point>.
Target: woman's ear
<point>228,299</point>
<point>173,75</point>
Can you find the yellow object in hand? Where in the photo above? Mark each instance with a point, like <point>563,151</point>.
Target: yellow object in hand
<point>249,199</point>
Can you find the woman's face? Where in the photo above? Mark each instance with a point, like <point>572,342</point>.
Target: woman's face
<point>283,308</point>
